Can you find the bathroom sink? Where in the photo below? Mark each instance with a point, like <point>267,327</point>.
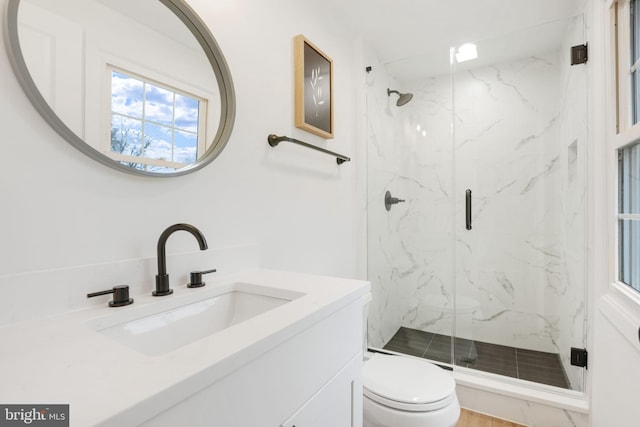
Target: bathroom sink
<point>171,328</point>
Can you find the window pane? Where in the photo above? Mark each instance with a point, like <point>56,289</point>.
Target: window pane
<point>630,253</point>
<point>158,142</point>
<point>635,97</point>
<point>126,95</point>
<point>126,135</point>
<point>635,31</point>
<point>629,180</point>
<point>186,113</point>
<point>629,204</point>
<point>159,105</point>
<point>186,147</point>
<point>635,56</point>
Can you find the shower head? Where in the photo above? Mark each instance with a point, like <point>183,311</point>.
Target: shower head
<point>403,97</point>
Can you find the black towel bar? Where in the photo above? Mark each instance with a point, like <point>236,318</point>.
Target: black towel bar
<point>274,140</point>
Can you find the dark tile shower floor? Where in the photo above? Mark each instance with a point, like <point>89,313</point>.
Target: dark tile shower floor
<point>537,366</point>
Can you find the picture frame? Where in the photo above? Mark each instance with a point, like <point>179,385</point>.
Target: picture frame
<point>313,74</point>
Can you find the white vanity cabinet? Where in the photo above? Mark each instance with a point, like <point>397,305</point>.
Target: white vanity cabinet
<point>338,403</point>
<point>295,363</point>
<point>313,379</point>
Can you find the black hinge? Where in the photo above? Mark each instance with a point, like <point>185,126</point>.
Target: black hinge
<point>579,357</point>
<point>579,54</point>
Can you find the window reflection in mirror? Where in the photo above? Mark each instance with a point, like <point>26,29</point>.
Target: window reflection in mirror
<point>154,127</point>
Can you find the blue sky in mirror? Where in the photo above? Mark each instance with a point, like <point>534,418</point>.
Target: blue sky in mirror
<point>158,105</point>
<point>126,95</point>
<point>186,113</point>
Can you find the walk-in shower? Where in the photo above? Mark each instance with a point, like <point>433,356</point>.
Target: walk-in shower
<point>483,266</point>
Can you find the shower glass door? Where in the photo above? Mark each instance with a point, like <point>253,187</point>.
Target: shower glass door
<point>519,137</point>
<point>482,267</point>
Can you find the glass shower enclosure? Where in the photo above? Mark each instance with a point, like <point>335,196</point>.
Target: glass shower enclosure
<point>477,258</point>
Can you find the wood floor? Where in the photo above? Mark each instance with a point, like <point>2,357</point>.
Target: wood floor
<point>474,419</point>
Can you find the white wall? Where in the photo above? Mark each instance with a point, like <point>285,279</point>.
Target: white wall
<point>60,209</point>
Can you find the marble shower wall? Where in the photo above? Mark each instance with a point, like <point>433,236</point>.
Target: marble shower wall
<point>518,275</point>
<point>506,137</point>
<point>410,248</point>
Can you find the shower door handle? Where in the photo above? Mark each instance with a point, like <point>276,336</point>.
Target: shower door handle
<point>468,209</point>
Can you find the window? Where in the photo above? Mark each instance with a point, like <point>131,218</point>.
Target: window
<point>626,18</point>
<point>154,127</point>
<point>629,215</point>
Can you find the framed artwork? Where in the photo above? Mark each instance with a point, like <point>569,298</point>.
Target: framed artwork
<point>313,88</point>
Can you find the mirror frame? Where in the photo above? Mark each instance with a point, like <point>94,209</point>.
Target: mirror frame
<point>211,49</point>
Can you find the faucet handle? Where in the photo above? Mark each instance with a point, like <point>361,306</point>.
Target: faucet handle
<point>196,278</point>
<point>120,295</point>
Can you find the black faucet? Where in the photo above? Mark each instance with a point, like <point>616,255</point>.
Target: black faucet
<point>162,278</point>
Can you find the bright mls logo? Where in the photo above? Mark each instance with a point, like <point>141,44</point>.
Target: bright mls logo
<point>34,415</point>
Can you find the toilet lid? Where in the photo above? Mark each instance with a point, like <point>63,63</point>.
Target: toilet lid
<point>407,383</point>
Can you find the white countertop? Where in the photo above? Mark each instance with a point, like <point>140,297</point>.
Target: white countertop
<point>63,360</point>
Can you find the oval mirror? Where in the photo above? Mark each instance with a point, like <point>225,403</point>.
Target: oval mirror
<point>140,86</point>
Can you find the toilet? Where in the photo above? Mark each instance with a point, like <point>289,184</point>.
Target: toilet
<point>403,391</point>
